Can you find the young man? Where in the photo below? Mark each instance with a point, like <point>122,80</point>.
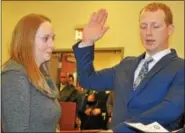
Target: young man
<point>147,88</point>
<point>67,89</point>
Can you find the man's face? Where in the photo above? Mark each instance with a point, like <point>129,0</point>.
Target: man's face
<point>154,31</point>
<point>63,78</point>
<point>71,81</point>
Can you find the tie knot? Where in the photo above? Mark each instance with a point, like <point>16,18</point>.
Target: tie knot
<point>149,60</point>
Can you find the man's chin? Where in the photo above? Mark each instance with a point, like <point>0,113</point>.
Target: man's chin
<point>150,50</point>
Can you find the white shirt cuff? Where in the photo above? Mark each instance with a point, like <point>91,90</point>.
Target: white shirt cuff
<point>82,45</point>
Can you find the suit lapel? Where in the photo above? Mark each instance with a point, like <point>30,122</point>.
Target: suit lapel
<point>157,68</point>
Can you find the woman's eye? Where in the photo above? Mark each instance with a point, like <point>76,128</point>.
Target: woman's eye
<point>45,39</point>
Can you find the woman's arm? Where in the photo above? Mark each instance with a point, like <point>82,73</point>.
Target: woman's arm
<point>15,102</point>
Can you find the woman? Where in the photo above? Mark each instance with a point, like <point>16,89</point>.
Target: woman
<point>29,97</point>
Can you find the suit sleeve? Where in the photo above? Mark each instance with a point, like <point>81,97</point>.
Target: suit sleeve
<point>15,102</point>
<point>169,110</point>
<point>88,77</point>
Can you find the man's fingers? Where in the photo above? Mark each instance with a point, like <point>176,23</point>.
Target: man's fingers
<point>100,15</point>
<point>104,18</point>
<point>92,18</point>
<point>105,29</point>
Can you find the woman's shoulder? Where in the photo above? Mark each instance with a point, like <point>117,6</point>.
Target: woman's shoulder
<point>12,67</point>
<point>14,74</point>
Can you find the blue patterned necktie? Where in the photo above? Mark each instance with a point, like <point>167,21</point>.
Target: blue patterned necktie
<point>142,73</point>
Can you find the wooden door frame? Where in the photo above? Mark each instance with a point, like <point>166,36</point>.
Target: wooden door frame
<point>66,50</point>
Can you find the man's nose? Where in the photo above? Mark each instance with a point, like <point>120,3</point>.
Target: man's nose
<point>148,31</point>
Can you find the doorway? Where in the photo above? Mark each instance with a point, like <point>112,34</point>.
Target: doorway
<point>63,60</point>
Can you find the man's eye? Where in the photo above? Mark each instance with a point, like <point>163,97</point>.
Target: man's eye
<point>156,26</point>
<point>143,27</point>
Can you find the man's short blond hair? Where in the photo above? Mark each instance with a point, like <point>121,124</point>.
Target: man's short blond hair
<point>160,6</point>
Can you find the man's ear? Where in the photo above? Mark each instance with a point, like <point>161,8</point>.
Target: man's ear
<point>170,29</point>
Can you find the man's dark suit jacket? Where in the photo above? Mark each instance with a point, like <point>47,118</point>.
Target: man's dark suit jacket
<point>68,94</point>
<point>159,97</point>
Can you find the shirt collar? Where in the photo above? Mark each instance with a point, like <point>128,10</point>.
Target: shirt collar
<point>159,55</point>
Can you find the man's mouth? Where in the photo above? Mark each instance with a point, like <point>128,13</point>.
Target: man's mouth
<point>150,41</point>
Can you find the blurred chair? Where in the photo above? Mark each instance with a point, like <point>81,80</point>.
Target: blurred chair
<point>181,125</point>
<point>68,116</point>
<point>182,122</point>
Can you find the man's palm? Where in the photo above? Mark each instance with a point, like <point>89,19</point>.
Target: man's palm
<point>95,28</point>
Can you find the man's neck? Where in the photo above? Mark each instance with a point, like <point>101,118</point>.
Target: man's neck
<point>151,53</point>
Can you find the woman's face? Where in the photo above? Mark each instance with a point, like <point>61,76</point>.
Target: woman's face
<point>44,43</point>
